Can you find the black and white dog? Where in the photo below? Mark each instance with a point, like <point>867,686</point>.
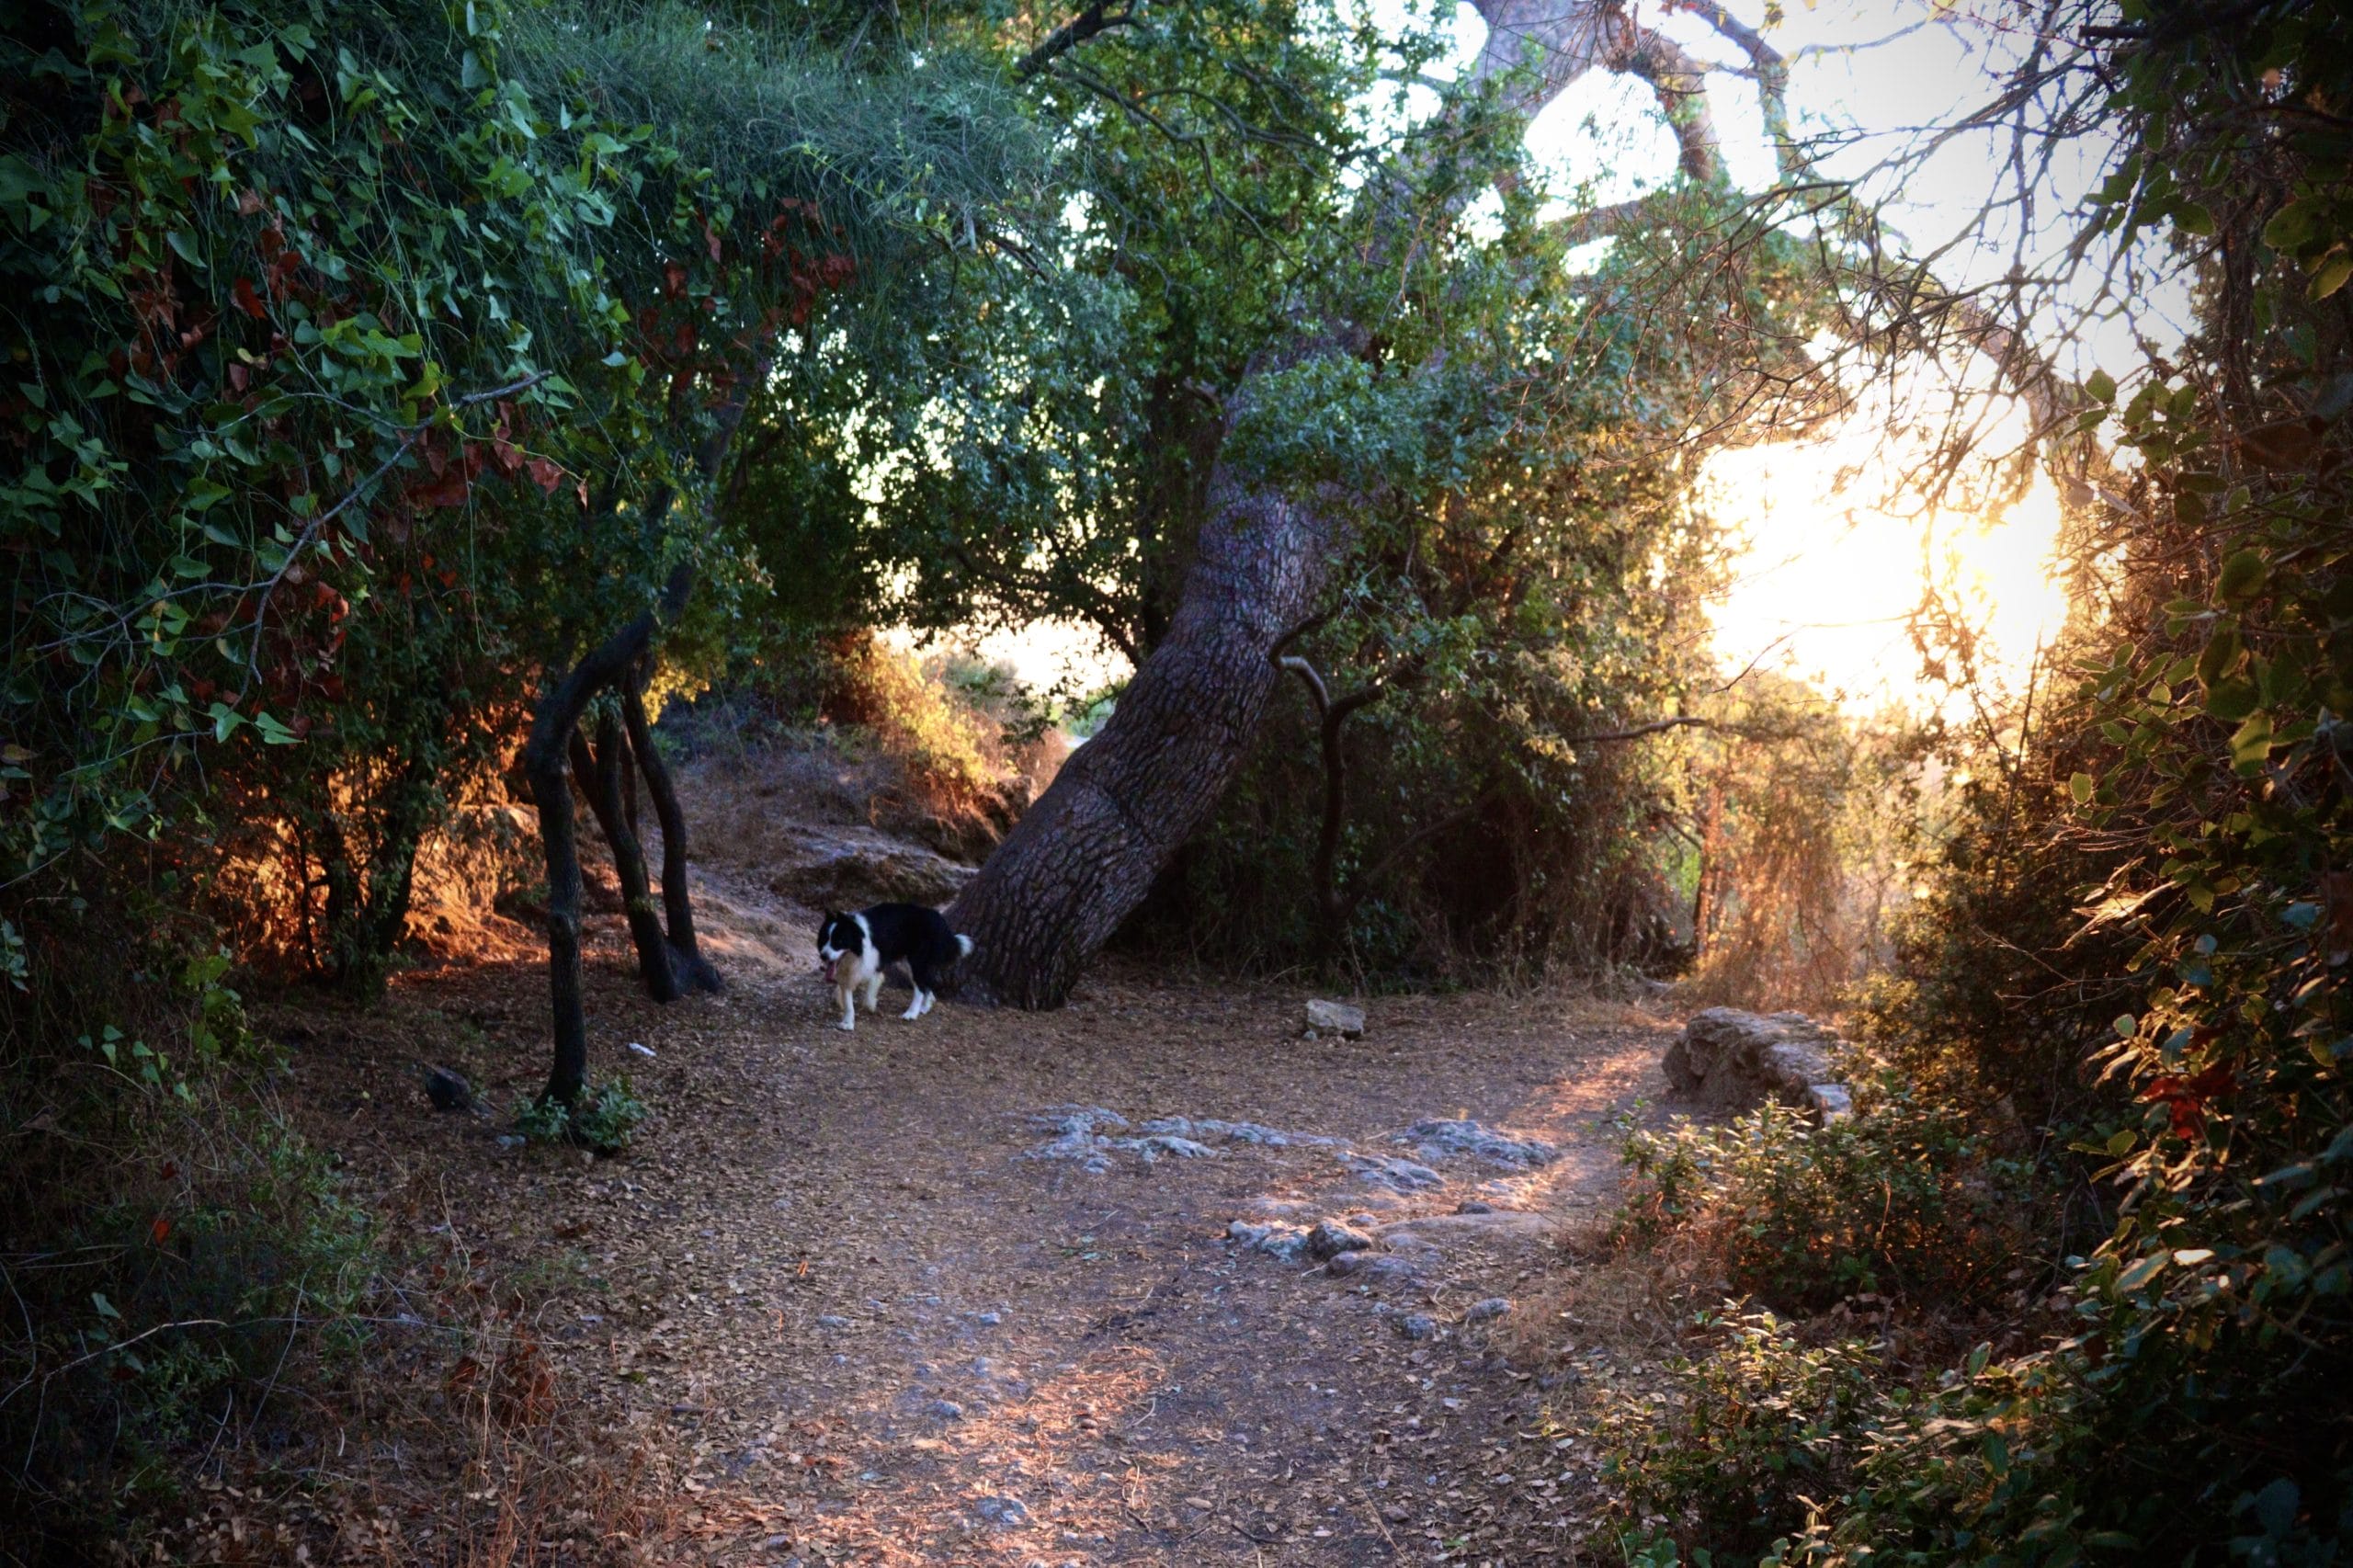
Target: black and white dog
<point>856,948</point>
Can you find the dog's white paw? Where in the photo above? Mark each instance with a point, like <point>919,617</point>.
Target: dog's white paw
<point>913,1012</point>
<point>846,1026</point>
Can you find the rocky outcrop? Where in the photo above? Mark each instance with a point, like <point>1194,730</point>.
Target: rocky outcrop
<point>1728,1060</point>
<point>848,867</point>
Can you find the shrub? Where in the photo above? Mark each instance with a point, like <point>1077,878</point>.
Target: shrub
<point>604,1120</point>
<point>1753,1437</point>
<point>167,1240</point>
<point>1905,1197</point>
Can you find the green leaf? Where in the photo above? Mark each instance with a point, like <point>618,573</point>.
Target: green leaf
<point>2289,226</point>
<point>2332,275</point>
<point>2231,701</point>
<point>2243,574</point>
<point>2251,742</point>
<point>2220,654</point>
<point>2100,386</point>
<point>2081,786</point>
<point>106,1307</point>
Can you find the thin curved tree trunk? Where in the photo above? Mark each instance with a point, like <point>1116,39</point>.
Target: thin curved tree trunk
<point>692,970</point>
<point>602,770</point>
<point>546,758</point>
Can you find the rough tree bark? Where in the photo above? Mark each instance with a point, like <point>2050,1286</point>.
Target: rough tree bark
<point>1085,854</point>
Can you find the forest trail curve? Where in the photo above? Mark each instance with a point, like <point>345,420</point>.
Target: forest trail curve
<point>831,1280</point>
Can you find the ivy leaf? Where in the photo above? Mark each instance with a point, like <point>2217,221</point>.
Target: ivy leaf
<point>2331,276</point>
<point>2081,787</point>
<point>2100,387</point>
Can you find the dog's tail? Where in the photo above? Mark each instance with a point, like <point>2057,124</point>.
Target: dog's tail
<point>963,945</point>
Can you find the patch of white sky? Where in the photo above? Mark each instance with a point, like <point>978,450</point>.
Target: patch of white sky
<point>1833,553</point>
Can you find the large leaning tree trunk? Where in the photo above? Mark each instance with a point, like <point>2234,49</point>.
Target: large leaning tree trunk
<point>1085,855</point>
<point>1082,857</point>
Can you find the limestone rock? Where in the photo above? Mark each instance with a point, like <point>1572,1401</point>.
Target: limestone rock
<point>1394,1174</point>
<point>1445,1232</point>
<point>1285,1241</point>
<point>1376,1268</point>
<point>1336,1017</point>
<point>1729,1060</point>
<point>1436,1139</point>
<point>1332,1237</point>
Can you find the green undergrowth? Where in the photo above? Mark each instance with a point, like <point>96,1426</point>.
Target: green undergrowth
<point>174,1252</point>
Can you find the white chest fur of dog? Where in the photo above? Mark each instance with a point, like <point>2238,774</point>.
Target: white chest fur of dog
<point>859,968</point>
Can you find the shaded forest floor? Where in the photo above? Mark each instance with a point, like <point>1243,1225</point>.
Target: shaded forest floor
<point>830,1307</point>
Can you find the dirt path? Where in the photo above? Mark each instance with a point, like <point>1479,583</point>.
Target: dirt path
<point>831,1278</point>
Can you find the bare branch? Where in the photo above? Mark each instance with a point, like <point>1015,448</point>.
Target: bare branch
<point>1069,36</point>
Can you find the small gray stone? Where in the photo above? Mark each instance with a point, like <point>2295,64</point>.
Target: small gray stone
<point>989,1320</point>
<point>1373,1267</point>
<point>1417,1325</point>
<point>946,1409</point>
<point>1008,1511</point>
<point>1829,1102</point>
<point>832,1320</point>
<point>1336,1017</point>
<point>448,1090</point>
<point>1332,1237</point>
<point>1493,1307</point>
<point>1285,1241</point>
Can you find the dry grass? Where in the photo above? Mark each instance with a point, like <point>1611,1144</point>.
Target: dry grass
<point>959,783</point>
<point>1634,1304</point>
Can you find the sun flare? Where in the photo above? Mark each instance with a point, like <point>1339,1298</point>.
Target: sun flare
<point>1839,556</point>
